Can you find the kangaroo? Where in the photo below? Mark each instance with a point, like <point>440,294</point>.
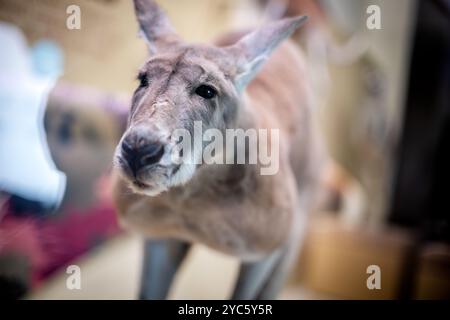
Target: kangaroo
<point>252,81</point>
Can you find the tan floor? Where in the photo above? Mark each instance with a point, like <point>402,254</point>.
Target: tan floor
<point>112,272</point>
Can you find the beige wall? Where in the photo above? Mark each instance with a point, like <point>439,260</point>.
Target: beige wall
<point>107,52</point>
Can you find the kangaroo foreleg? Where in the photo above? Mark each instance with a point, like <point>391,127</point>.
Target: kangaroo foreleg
<point>161,261</point>
<point>253,275</point>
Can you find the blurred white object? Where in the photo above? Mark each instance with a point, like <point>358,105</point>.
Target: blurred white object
<point>26,77</point>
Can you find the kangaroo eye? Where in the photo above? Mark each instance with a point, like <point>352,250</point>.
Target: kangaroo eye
<point>143,80</point>
<point>206,92</point>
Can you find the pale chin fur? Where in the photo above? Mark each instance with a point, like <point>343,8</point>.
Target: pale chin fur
<point>150,192</point>
<point>184,174</point>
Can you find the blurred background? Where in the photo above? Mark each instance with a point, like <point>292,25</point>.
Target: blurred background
<point>382,96</point>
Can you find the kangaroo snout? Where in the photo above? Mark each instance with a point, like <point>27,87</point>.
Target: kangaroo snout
<point>141,149</point>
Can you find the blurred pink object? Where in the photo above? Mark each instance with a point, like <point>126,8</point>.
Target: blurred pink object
<point>51,243</point>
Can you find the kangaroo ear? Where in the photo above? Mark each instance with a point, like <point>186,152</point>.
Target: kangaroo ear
<point>155,25</point>
<point>254,49</point>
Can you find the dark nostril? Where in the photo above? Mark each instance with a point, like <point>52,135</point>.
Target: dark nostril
<point>151,154</point>
<point>126,148</point>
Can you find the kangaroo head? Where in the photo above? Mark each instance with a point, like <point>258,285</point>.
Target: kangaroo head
<point>180,84</point>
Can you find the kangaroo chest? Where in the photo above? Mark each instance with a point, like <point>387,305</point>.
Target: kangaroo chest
<point>234,221</point>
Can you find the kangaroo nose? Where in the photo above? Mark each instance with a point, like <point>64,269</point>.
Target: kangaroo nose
<point>142,154</point>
